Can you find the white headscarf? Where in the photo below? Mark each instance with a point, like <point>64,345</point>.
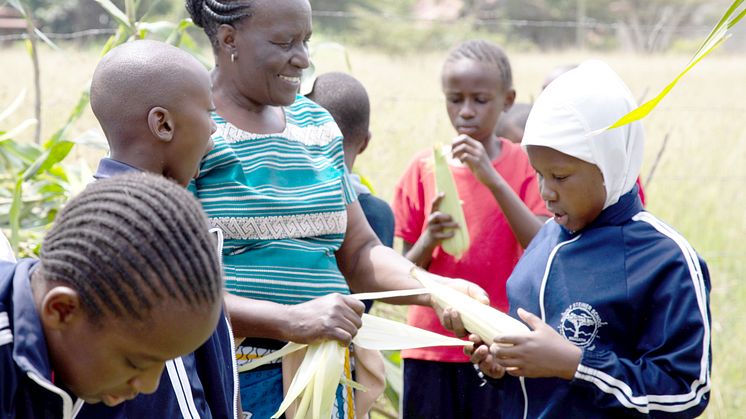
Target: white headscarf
<point>579,102</point>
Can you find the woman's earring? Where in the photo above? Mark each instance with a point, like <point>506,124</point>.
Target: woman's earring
<point>233,57</point>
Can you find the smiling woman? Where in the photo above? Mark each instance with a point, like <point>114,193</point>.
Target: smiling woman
<point>276,184</point>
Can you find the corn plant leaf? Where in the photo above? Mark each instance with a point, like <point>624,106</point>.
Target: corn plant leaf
<point>352,384</point>
<point>285,350</point>
<point>45,39</point>
<point>389,294</point>
<point>383,334</point>
<point>13,105</point>
<point>15,215</point>
<point>130,9</point>
<point>18,129</point>
<point>478,318</point>
<point>717,36</point>
<point>327,379</point>
<point>116,13</point>
<point>161,29</point>
<point>316,357</point>
<point>174,38</point>
<point>457,245</point>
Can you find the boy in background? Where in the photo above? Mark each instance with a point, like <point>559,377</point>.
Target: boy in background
<point>512,122</point>
<point>347,101</point>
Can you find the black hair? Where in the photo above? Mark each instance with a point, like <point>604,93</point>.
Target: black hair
<point>128,243</point>
<point>210,14</point>
<point>484,52</point>
<point>346,100</point>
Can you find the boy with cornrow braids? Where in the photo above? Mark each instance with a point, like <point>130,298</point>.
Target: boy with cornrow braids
<point>127,279</point>
<point>165,129</point>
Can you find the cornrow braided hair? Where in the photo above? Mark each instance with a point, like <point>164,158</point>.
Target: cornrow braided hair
<point>210,14</point>
<point>127,243</point>
<point>484,52</point>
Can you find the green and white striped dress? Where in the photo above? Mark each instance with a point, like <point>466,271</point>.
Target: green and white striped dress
<point>280,200</point>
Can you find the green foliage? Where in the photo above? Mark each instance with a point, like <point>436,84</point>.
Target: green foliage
<point>75,15</point>
<point>34,181</point>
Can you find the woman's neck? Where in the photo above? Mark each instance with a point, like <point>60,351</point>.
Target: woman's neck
<point>243,112</point>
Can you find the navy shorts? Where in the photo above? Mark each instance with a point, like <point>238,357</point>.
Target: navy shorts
<point>447,390</point>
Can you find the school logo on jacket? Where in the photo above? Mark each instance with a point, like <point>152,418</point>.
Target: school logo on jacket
<point>579,324</point>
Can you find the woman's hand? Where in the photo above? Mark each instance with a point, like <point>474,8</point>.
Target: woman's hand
<point>540,353</point>
<point>480,355</point>
<point>472,153</point>
<point>333,316</point>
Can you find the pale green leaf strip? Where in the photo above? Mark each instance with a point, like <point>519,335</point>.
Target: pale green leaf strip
<point>382,334</point>
<point>735,5</point>
<point>327,379</point>
<point>18,129</point>
<point>18,6</point>
<point>115,12</point>
<point>457,245</point>
<point>285,350</point>
<point>478,318</point>
<point>13,106</point>
<point>353,384</point>
<point>716,37</point>
<point>305,374</point>
<point>15,214</point>
<point>46,40</point>
<point>647,107</point>
<point>389,294</point>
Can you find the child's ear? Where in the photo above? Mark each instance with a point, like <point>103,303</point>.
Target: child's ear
<point>509,100</point>
<point>161,124</point>
<point>227,39</point>
<point>60,308</point>
<point>365,142</point>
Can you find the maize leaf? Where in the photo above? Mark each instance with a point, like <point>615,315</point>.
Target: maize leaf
<point>389,294</point>
<point>327,379</point>
<point>478,318</point>
<point>457,245</point>
<point>287,349</point>
<point>717,36</point>
<point>383,334</point>
<point>319,374</point>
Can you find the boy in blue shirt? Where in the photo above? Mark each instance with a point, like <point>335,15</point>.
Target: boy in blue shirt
<point>164,128</point>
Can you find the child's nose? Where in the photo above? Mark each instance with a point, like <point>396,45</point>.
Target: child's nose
<point>466,111</point>
<point>147,382</point>
<point>547,193</point>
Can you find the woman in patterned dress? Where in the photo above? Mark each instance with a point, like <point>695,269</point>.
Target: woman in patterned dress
<point>296,240</point>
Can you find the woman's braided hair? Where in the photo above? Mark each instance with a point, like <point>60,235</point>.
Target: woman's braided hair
<point>128,243</point>
<point>485,52</point>
<point>210,14</point>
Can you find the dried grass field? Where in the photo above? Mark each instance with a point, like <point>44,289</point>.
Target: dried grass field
<point>697,186</point>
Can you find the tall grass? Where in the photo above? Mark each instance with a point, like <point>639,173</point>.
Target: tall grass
<point>697,187</point>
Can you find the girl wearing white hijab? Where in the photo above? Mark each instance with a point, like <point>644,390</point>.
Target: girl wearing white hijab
<point>621,320</point>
